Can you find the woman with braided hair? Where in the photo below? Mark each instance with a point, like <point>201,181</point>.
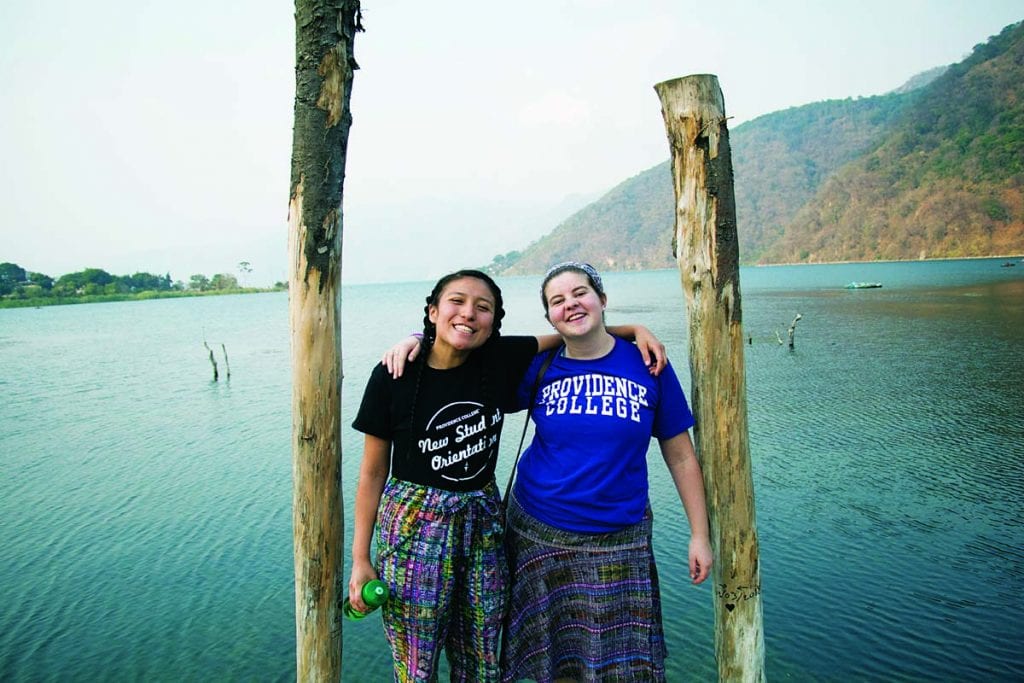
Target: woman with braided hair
<point>427,482</point>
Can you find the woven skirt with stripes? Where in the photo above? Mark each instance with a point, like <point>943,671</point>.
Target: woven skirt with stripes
<point>442,556</point>
<point>582,607</point>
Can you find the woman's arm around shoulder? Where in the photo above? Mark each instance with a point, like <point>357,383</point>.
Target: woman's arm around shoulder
<point>650,347</point>
<point>404,351</point>
<point>407,350</point>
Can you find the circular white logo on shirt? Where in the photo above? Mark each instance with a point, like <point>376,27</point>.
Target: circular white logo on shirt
<point>461,439</point>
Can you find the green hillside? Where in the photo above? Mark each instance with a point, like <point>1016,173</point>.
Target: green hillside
<point>947,180</point>
<point>931,169</point>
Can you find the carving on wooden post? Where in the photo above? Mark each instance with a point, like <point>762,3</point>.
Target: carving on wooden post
<point>707,253</point>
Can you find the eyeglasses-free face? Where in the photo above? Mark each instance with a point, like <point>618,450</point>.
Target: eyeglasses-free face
<point>575,309</point>
<point>463,315</point>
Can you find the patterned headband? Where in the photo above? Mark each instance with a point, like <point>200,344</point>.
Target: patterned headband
<point>560,268</point>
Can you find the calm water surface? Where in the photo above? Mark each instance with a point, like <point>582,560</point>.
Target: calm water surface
<point>145,523</point>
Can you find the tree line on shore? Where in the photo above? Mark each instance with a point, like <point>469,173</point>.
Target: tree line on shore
<point>19,284</point>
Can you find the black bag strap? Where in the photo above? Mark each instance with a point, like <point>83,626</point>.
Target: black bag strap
<point>526,423</point>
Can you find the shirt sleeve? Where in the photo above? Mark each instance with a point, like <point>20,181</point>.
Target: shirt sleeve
<point>672,415</point>
<point>374,416</point>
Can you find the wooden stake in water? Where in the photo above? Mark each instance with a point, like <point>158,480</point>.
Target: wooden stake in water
<point>707,253</point>
<point>324,33</point>
<point>213,361</point>
<point>792,331</point>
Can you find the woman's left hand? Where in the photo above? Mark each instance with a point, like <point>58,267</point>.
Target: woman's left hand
<point>651,350</point>
<point>700,560</point>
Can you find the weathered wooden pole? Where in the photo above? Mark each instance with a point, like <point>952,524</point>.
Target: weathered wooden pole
<point>707,252</point>
<point>324,33</point>
<point>792,331</point>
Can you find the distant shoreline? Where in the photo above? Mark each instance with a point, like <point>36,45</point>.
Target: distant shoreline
<point>39,302</point>
<point>788,263</point>
<point>906,260</point>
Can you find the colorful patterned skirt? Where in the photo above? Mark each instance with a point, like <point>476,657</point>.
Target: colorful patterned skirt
<point>442,556</point>
<point>583,607</point>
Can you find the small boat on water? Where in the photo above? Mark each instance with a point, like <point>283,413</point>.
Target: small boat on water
<point>1009,264</point>
<point>863,285</point>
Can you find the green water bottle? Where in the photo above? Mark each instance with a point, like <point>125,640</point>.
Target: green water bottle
<point>375,594</point>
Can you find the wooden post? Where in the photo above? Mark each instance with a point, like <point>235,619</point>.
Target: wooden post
<point>213,361</point>
<point>792,331</point>
<point>324,33</point>
<point>708,257</point>
<point>227,365</point>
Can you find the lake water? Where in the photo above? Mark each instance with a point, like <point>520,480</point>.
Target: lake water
<point>145,523</point>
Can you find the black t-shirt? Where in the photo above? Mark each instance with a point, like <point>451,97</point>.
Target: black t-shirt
<point>450,440</point>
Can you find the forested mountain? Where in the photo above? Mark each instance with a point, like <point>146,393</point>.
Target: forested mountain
<point>946,181</point>
<point>933,169</point>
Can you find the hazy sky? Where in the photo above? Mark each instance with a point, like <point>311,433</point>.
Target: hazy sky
<point>156,136</point>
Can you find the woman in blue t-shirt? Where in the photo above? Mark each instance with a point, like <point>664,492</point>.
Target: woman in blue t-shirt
<point>426,482</point>
<point>584,602</point>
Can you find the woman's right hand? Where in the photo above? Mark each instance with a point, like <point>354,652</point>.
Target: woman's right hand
<point>395,357</point>
<point>361,573</point>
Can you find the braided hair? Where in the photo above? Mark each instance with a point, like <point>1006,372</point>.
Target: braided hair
<point>430,329</point>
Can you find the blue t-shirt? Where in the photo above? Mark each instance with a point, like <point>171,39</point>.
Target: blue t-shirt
<point>586,468</point>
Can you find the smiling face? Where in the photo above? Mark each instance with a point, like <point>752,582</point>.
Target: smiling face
<point>463,316</point>
<point>575,309</point>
